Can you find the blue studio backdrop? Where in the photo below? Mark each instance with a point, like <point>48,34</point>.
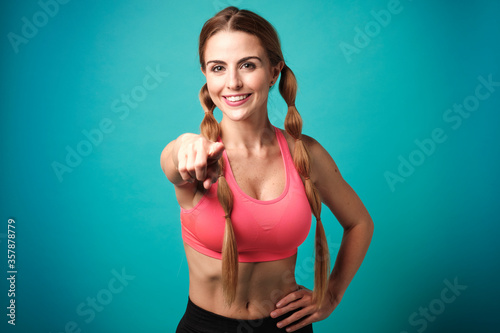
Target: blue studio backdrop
<point>405,95</point>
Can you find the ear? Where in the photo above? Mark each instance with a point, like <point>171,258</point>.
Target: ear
<point>276,70</point>
<point>203,71</point>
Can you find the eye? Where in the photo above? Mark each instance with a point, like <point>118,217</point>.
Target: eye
<point>248,65</point>
<point>217,68</point>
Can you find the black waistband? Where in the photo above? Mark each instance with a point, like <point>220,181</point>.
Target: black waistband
<point>200,320</point>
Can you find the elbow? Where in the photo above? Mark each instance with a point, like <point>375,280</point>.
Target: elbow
<point>366,224</point>
<point>370,226</point>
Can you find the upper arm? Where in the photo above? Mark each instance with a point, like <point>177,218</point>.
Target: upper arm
<point>334,191</point>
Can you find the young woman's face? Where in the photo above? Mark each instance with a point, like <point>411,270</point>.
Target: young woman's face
<point>238,74</point>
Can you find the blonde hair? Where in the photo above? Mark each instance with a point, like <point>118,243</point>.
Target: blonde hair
<point>233,19</point>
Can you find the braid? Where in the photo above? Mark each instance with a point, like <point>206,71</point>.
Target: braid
<point>302,162</point>
<point>211,130</point>
<point>209,126</point>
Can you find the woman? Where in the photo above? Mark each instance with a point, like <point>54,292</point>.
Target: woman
<point>247,190</point>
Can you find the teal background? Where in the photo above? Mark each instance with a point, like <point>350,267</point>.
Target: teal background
<point>116,210</point>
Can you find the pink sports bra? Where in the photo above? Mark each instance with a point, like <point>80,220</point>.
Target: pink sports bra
<point>265,230</point>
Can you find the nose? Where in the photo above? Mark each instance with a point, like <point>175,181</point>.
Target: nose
<point>233,80</point>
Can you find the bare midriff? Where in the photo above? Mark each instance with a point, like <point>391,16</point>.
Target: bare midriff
<point>260,285</point>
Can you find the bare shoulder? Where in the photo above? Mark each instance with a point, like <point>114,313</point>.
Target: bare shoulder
<point>333,189</point>
<point>310,142</point>
<point>321,161</point>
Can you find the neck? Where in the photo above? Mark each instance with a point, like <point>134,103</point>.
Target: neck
<point>247,134</point>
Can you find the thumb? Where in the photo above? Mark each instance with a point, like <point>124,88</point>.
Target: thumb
<point>215,150</point>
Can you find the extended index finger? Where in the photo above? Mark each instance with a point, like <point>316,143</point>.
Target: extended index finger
<point>215,151</point>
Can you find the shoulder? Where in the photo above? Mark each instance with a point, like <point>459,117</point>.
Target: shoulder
<point>316,150</point>
<point>321,162</point>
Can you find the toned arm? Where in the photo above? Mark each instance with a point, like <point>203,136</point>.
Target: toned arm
<point>347,207</point>
<point>345,204</point>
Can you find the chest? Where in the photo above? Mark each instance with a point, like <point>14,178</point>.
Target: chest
<point>262,177</point>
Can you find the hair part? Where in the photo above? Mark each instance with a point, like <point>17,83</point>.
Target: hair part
<point>234,19</point>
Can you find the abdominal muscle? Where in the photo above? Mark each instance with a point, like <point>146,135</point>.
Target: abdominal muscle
<point>260,285</point>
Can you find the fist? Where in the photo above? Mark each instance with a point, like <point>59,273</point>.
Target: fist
<point>197,159</point>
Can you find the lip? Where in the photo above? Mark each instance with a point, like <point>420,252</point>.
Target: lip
<point>238,103</point>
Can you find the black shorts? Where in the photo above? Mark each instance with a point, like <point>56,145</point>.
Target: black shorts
<point>198,320</point>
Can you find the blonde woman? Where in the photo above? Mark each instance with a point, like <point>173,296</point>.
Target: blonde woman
<point>248,190</point>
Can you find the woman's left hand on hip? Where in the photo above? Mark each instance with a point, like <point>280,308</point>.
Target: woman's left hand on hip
<point>309,313</point>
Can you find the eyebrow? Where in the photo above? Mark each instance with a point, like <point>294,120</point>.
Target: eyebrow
<point>239,61</point>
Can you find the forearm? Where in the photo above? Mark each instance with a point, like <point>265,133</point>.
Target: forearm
<point>355,243</point>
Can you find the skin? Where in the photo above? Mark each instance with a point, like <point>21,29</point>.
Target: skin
<point>190,163</point>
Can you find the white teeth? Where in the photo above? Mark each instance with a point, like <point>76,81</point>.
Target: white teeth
<point>236,98</point>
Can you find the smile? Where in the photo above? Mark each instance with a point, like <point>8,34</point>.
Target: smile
<point>236,98</point>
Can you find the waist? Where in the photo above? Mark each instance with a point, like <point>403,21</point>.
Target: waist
<point>198,319</point>
<point>260,285</point>
<point>251,308</point>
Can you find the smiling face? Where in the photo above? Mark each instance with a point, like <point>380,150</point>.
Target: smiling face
<point>239,74</point>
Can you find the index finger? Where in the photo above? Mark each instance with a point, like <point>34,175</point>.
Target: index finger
<point>215,151</point>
